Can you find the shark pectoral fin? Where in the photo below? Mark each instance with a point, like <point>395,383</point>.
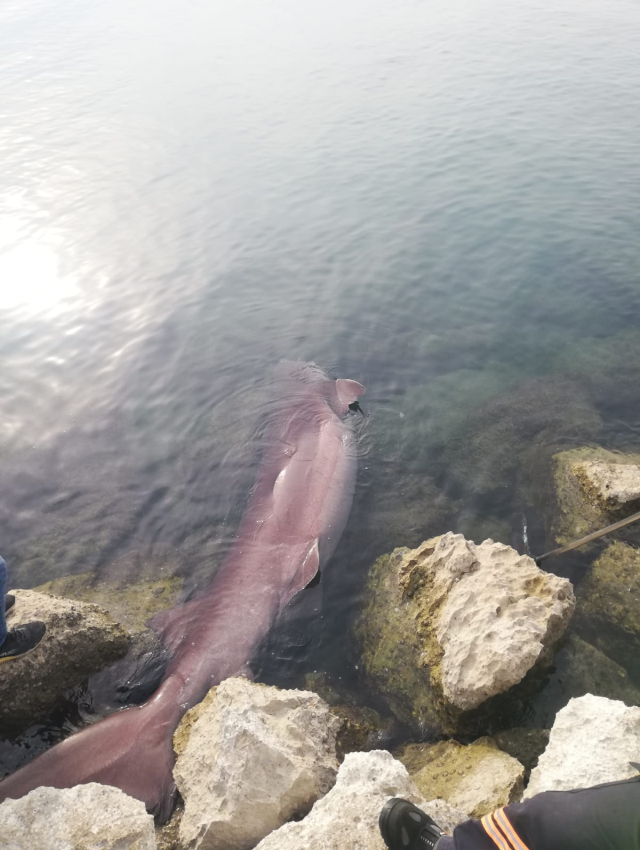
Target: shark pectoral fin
<point>348,390</point>
<point>304,576</point>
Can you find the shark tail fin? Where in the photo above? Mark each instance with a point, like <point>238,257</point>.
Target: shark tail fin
<point>131,750</point>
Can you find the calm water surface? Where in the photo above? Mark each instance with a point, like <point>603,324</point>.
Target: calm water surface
<point>439,200</point>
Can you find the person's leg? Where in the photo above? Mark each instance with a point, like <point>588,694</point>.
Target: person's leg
<point>3,588</point>
<point>605,817</point>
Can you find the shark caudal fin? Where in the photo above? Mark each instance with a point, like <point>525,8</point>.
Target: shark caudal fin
<point>131,750</point>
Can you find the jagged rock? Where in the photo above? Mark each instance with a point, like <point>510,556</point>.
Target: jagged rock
<point>592,741</point>
<point>255,757</point>
<point>594,488</point>
<point>477,778</point>
<point>459,621</point>
<point>524,744</point>
<point>79,640</point>
<point>608,609</point>
<point>347,817</point>
<point>87,817</point>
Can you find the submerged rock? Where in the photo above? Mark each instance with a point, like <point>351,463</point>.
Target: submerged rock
<point>477,778</point>
<point>347,817</point>
<point>524,744</point>
<point>455,622</point>
<point>87,817</point>
<point>594,488</point>
<point>255,757</point>
<point>79,640</point>
<point>592,741</point>
<point>608,609</point>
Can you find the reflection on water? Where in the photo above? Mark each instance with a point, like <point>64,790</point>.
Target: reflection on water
<point>439,201</point>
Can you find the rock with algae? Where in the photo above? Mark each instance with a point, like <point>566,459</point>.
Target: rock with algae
<point>608,609</point>
<point>477,778</point>
<point>450,624</point>
<point>594,488</point>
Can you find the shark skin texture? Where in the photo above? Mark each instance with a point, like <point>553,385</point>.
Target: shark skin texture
<point>296,513</point>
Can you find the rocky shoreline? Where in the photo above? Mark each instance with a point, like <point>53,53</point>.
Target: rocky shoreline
<point>448,630</point>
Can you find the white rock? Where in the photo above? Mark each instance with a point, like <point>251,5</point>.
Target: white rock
<point>614,482</point>
<point>80,639</point>
<point>500,612</point>
<point>255,757</point>
<point>592,741</point>
<point>87,817</point>
<point>347,818</point>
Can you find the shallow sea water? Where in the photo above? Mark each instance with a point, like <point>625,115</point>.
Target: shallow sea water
<point>439,200</point>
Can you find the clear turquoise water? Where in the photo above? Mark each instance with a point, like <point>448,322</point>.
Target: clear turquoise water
<point>439,200</point>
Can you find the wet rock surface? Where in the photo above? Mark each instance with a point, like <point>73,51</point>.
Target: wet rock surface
<point>592,741</point>
<point>80,639</point>
<point>477,778</point>
<point>255,757</point>
<point>594,488</point>
<point>457,623</point>
<point>525,745</point>
<point>347,817</point>
<point>608,609</point>
<point>88,817</point>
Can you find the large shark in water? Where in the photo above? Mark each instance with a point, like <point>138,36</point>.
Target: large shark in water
<point>295,516</point>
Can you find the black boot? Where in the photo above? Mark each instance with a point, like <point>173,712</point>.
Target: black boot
<point>9,602</point>
<point>406,827</point>
<point>21,640</point>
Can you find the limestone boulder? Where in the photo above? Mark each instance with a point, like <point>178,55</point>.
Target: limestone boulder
<point>477,778</point>
<point>453,623</point>
<point>594,487</point>
<point>87,817</point>
<point>592,741</point>
<point>608,609</point>
<point>347,817</point>
<point>255,757</point>
<point>80,639</point>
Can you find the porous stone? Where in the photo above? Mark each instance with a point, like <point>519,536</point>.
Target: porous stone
<point>255,757</point>
<point>477,778</point>
<point>594,487</point>
<point>347,817</point>
<point>608,609</point>
<point>466,620</point>
<point>87,817</point>
<point>592,741</point>
<point>80,639</point>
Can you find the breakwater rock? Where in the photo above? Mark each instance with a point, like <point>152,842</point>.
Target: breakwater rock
<point>592,741</point>
<point>452,623</point>
<point>80,639</point>
<point>477,778</point>
<point>251,757</point>
<point>87,817</point>
<point>347,817</point>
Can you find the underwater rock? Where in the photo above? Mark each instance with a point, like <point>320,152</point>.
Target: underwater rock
<point>362,729</point>
<point>477,778</point>
<point>87,817</point>
<point>594,488</point>
<point>578,669</point>
<point>255,757</point>
<point>347,817</point>
<point>79,640</point>
<point>455,622</point>
<point>592,741</point>
<point>608,609</point>
<point>524,744</point>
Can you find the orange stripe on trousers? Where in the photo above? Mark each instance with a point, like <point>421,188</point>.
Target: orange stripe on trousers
<point>494,833</point>
<point>503,821</point>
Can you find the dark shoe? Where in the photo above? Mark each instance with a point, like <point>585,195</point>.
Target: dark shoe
<point>21,640</point>
<point>9,602</point>
<point>406,827</point>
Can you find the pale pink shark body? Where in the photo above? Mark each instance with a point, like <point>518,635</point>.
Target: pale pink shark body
<point>293,521</point>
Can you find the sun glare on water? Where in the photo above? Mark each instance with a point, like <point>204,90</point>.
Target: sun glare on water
<point>30,279</point>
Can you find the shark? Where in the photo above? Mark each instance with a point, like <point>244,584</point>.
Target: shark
<point>294,518</point>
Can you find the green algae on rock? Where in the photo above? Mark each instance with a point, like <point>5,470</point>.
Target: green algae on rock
<point>450,624</point>
<point>583,506</point>
<point>608,610</point>
<point>477,778</point>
